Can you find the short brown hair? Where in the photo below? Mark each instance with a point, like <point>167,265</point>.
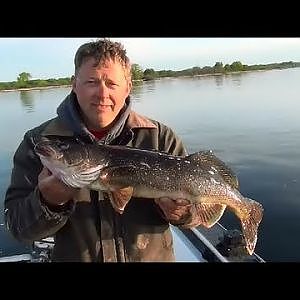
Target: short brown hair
<point>102,50</point>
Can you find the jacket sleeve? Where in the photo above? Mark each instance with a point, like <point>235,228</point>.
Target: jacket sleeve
<point>26,216</point>
<point>172,144</point>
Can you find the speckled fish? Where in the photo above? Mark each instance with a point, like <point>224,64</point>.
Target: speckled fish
<point>124,172</point>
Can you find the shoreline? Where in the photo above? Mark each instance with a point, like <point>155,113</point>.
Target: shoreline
<point>38,88</point>
<point>138,81</point>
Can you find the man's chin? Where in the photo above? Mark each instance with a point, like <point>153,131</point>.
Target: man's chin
<point>105,121</point>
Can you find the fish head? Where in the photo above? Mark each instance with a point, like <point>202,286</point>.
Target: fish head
<point>62,152</point>
<point>70,161</point>
<point>62,156</point>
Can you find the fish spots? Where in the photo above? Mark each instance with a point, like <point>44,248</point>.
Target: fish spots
<point>211,172</point>
<point>104,176</point>
<point>145,164</point>
<point>214,169</point>
<point>214,181</point>
<point>187,161</point>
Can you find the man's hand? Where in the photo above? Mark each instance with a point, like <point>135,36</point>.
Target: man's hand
<point>174,210</point>
<point>53,190</point>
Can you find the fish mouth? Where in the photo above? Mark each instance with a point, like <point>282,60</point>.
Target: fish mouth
<point>46,151</point>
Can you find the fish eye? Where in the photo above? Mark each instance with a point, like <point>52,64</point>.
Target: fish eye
<point>63,146</point>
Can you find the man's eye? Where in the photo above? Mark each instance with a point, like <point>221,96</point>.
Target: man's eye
<point>92,82</point>
<point>110,83</point>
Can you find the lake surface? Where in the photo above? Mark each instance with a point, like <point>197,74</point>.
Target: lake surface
<point>250,120</point>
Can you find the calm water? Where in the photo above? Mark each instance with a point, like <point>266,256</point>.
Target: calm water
<point>249,120</point>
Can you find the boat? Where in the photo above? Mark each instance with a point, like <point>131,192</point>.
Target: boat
<point>215,244</point>
<point>200,244</point>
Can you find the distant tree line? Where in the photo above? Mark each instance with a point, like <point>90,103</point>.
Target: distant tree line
<point>24,82</point>
<point>218,68</point>
<point>138,74</point>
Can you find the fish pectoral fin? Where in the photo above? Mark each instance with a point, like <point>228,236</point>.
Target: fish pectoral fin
<point>119,198</point>
<point>208,160</point>
<point>210,214</point>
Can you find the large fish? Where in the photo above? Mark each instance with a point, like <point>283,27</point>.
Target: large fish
<point>124,172</point>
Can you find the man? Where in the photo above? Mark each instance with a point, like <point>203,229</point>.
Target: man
<point>83,222</point>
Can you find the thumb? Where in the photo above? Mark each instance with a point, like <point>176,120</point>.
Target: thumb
<point>44,174</point>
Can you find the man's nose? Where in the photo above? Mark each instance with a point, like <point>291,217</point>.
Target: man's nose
<point>103,90</point>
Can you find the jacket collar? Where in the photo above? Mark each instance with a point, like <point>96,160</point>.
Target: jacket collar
<point>69,121</point>
<point>136,120</point>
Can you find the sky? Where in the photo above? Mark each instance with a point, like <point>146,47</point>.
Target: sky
<point>46,58</point>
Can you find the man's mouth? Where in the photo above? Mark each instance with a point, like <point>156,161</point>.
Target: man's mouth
<point>101,107</point>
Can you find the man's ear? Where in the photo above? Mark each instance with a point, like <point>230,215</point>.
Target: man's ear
<point>129,86</point>
<point>73,82</point>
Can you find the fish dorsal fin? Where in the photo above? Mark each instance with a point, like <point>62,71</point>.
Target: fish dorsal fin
<point>212,163</point>
<point>209,214</point>
<point>120,198</point>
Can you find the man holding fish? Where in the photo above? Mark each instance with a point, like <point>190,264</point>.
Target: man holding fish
<point>84,224</point>
<point>106,182</point>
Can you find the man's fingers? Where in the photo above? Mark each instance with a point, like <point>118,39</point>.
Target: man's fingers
<point>174,209</point>
<point>166,203</point>
<point>180,212</point>
<point>174,217</point>
<point>182,202</point>
<point>44,174</point>
<point>174,203</point>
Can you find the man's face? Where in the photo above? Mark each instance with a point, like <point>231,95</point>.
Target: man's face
<point>101,92</point>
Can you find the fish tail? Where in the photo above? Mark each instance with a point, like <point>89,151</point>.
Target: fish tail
<point>250,220</point>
